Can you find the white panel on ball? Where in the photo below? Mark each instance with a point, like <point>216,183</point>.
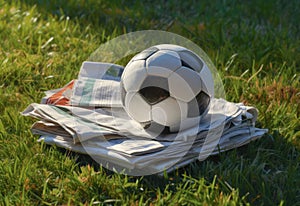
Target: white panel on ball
<point>171,47</point>
<point>166,112</point>
<point>207,80</point>
<point>134,75</point>
<point>137,107</point>
<point>163,63</point>
<point>184,84</point>
<point>185,124</point>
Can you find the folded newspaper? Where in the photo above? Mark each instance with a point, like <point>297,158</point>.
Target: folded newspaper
<point>86,116</point>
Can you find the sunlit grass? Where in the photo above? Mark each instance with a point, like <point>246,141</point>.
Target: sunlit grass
<point>255,47</point>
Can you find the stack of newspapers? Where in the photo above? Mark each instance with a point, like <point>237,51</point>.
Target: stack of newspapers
<point>86,116</point>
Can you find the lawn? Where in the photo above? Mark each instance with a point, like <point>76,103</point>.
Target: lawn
<point>255,46</point>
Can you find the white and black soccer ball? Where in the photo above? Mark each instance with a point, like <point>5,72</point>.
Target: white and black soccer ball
<point>166,88</point>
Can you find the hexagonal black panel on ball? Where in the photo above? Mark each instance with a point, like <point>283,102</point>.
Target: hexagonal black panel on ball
<point>198,105</point>
<point>154,89</point>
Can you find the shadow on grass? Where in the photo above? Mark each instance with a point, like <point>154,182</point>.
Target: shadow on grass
<point>84,11</point>
<point>109,16</point>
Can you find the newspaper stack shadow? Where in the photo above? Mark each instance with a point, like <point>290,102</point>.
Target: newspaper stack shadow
<point>86,116</point>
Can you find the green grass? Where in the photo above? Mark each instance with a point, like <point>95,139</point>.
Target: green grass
<point>255,47</point>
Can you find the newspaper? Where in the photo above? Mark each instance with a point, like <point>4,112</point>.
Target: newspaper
<point>83,123</point>
<point>86,116</point>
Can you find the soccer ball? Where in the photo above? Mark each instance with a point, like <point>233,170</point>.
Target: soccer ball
<point>166,88</point>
